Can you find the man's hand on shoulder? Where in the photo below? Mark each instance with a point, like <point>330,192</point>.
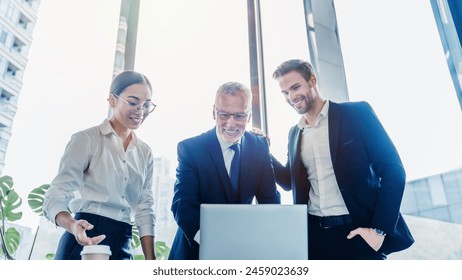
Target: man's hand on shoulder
<point>259,132</point>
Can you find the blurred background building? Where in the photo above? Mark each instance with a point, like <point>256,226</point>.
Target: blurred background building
<point>17,22</point>
<point>437,197</point>
<point>433,210</point>
<point>163,192</point>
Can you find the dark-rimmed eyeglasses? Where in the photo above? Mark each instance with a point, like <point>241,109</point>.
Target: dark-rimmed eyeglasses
<point>241,116</point>
<point>147,107</point>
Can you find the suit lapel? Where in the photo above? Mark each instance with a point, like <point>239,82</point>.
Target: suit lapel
<point>334,122</point>
<point>295,136</point>
<point>299,176</point>
<point>217,156</point>
<point>245,166</point>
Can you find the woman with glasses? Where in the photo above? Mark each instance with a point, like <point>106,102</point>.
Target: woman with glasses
<point>105,178</point>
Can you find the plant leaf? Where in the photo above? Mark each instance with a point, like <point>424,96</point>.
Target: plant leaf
<point>161,250</point>
<point>6,184</point>
<point>9,204</point>
<point>36,198</point>
<point>136,242</point>
<point>50,256</point>
<point>12,238</point>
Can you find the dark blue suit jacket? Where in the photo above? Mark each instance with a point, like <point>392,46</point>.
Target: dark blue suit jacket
<point>367,167</point>
<point>201,177</point>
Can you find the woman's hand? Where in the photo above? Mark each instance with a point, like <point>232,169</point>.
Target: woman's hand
<point>79,227</point>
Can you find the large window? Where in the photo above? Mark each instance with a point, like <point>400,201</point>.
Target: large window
<point>394,59</point>
<point>392,53</point>
<point>188,49</point>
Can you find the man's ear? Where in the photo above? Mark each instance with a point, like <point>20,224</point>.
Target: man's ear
<point>313,81</point>
<point>213,112</point>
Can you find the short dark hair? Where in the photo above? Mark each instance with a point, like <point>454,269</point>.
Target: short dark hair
<point>298,65</point>
<point>126,79</point>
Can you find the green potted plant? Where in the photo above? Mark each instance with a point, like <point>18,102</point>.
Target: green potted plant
<point>9,204</point>
<point>10,238</point>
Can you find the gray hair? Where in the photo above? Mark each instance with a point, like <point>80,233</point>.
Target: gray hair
<point>233,88</point>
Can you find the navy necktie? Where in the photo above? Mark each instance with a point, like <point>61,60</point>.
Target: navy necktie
<point>234,172</point>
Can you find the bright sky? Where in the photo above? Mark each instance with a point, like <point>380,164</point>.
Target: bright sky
<point>392,53</point>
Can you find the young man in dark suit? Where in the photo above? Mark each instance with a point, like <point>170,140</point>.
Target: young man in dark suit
<point>342,163</point>
<point>206,168</point>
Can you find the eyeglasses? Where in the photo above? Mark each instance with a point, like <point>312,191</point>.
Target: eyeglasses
<point>147,107</point>
<point>241,116</point>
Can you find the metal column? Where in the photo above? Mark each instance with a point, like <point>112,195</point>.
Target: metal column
<point>257,79</point>
<point>126,36</point>
<point>448,17</point>
<point>325,51</point>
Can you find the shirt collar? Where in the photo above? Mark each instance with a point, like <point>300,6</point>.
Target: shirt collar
<point>323,114</point>
<point>225,145</point>
<point>106,128</point>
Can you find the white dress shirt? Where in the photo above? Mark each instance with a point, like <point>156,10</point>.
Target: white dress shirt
<point>325,197</point>
<point>96,175</point>
<point>228,153</point>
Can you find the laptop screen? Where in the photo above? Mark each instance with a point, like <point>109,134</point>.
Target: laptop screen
<point>253,232</point>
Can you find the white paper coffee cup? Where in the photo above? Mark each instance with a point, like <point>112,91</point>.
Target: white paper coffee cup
<point>96,252</point>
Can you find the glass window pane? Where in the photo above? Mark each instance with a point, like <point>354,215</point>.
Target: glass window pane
<point>188,49</point>
<point>394,59</point>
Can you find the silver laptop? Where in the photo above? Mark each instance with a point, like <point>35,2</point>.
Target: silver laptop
<point>253,232</point>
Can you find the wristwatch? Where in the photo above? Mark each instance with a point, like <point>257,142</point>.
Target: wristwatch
<point>379,232</point>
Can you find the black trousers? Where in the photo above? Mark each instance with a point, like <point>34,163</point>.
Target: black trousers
<point>118,237</point>
<point>332,244</point>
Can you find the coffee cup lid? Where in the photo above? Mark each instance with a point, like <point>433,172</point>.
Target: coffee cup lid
<point>96,249</point>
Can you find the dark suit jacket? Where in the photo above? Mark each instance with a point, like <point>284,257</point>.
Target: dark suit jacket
<point>367,167</point>
<point>201,177</point>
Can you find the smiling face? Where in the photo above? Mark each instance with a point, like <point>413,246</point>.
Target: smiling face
<point>229,129</point>
<point>127,107</point>
<point>299,93</point>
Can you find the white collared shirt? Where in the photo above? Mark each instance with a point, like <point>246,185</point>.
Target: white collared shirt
<point>96,175</point>
<point>228,153</point>
<point>325,197</point>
